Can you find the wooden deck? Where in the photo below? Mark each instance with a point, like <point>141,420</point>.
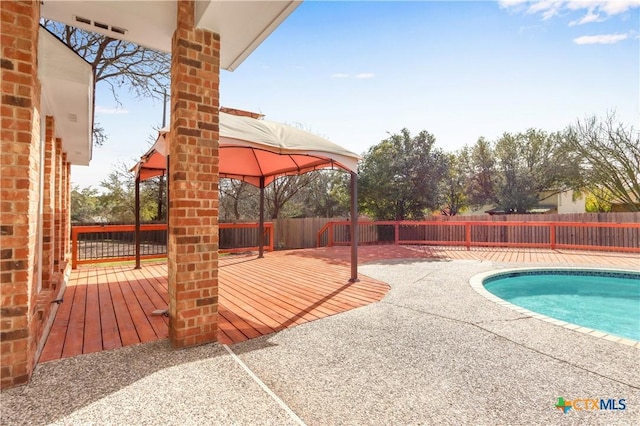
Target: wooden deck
<point>110,307</point>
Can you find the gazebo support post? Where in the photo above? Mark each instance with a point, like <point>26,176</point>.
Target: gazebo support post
<point>137,213</point>
<point>261,221</point>
<point>354,228</point>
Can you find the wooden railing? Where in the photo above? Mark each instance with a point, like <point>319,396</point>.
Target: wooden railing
<point>624,237</point>
<point>114,243</point>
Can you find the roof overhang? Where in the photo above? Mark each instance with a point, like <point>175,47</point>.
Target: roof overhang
<point>67,95</point>
<point>241,24</point>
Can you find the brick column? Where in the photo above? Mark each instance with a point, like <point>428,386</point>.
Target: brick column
<point>193,226</point>
<point>66,211</point>
<point>48,234</point>
<point>19,187</point>
<point>57,218</point>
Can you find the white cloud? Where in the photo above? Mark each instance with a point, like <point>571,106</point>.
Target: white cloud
<point>506,4</point>
<point>588,18</point>
<point>597,10</point>
<point>548,8</point>
<point>365,75</point>
<point>615,7</point>
<point>600,39</point>
<point>339,75</point>
<point>110,111</point>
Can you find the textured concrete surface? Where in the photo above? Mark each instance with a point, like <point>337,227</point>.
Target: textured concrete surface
<point>147,384</point>
<point>432,352</point>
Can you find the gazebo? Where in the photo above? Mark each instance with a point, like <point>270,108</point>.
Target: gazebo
<point>258,151</point>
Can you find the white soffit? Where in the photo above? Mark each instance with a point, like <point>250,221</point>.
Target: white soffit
<point>67,95</point>
<point>242,24</point>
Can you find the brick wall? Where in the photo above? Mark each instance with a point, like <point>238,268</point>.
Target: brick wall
<point>193,226</point>
<point>19,189</point>
<point>57,221</point>
<point>66,213</point>
<point>48,235</point>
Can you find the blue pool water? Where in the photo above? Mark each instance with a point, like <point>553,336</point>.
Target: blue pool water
<point>605,301</point>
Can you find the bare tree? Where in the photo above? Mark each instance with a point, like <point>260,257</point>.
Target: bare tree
<point>284,189</point>
<point>609,153</point>
<point>117,63</point>
<point>238,200</point>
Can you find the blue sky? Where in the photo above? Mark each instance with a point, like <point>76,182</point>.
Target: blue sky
<point>354,71</point>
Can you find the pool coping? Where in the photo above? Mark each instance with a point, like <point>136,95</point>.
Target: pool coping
<point>477,283</point>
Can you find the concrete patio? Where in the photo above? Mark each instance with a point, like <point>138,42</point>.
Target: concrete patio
<point>432,351</point>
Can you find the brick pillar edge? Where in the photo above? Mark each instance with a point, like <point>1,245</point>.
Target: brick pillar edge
<point>193,224</point>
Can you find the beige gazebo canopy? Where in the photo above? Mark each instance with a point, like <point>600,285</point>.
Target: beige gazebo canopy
<point>254,150</point>
<point>258,151</point>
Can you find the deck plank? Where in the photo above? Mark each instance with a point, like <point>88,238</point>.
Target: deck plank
<point>147,306</point>
<point>140,319</point>
<point>288,302</point>
<point>55,341</point>
<point>126,329</point>
<point>73,341</point>
<point>108,322</point>
<point>281,305</point>
<point>92,328</point>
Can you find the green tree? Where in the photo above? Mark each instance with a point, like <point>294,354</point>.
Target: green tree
<point>609,154</point>
<point>399,177</point>
<point>528,164</point>
<point>327,195</point>
<point>85,205</point>
<point>482,174</point>
<point>598,200</point>
<point>453,185</point>
<point>117,202</point>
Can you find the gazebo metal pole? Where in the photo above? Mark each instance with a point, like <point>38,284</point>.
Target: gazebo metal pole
<point>165,312</point>
<point>354,227</point>
<point>137,213</point>
<point>261,221</point>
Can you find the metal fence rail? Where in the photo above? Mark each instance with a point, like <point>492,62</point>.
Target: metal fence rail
<point>624,237</point>
<point>112,243</point>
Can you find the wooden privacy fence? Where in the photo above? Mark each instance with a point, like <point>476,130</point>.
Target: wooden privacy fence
<point>551,235</point>
<point>297,233</point>
<point>113,243</point>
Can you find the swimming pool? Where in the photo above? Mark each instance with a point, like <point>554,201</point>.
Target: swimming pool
<point>608,301</point>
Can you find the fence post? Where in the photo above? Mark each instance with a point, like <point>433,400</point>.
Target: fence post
<point>330,236</point>
<point>74,248</point>
<point>467,235</point>
<point>552,235</point>
<point>396,230</point>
